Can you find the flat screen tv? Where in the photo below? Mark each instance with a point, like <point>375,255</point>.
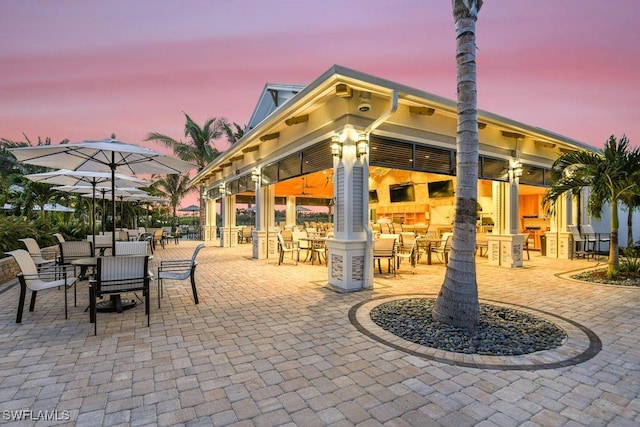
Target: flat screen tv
<point>402,193</point>
<point>373,196</point>
<point>440,189</point>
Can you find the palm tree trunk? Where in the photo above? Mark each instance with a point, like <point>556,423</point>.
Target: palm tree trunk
<point>630,242</point>
<point>457,303</point>
<point>613,266</point>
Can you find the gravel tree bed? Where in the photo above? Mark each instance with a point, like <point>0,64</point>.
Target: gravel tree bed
<point>501,332</point>
<point>600,276</point>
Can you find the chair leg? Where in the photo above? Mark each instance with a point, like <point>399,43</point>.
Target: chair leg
<point>159,290</point>
<point>33,300</point>
<point>23,291</point>
<point>92,306</point>
<point>193,287</point>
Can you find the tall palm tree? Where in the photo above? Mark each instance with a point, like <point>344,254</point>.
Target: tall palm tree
<point>457,303</point>
<point>233,131</point>
<point>199,147</point>
<point>611,176</point>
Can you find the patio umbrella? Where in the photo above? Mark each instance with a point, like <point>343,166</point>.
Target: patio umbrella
<point>190,208</point>
<point>67,177</point>
<point>107,155</point>
<point>48,207</point>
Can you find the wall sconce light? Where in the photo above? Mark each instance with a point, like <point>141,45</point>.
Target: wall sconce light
<point>336,146</point>
<point>516,166</point>
<point>255,175</point>
<point>363,145</point>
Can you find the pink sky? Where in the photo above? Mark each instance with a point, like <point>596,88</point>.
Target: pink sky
<point>87,69</point>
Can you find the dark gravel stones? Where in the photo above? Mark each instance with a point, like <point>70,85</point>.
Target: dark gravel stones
<point>501,332</point>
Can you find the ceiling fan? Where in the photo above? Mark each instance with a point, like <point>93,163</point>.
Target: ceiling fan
<point>304,187</point>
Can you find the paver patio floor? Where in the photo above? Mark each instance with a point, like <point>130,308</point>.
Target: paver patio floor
<point>272,345</point>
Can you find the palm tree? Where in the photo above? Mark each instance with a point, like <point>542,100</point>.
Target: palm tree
<point>233,131</point>
<point>198,149</point>
<point>174,187</point>
<point>611,176</point>
<point>457,303</point>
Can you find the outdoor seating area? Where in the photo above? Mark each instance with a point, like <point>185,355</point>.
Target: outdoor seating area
<point>185,343</point>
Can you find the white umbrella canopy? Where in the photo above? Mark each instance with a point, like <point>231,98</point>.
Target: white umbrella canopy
<point>91,180</point>
<point>86,178</point>
<point>106,155</point>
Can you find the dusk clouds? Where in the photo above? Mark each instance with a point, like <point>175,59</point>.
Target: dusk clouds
<point>84,70</point>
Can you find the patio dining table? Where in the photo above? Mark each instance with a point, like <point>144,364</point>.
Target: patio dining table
<point>317,245</point>
<point>115,302</point>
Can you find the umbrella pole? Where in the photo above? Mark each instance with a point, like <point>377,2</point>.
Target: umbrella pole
<point>93,214</point>
<point>113,201</point>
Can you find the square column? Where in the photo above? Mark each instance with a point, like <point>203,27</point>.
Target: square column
<point>505,250</point>
<point>346,264</point>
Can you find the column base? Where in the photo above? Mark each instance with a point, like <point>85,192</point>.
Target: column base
<point>559,245</point>
<point>265,244</point>
<point>506,250</point>
<point>346,264</point>
<point>228,237</point>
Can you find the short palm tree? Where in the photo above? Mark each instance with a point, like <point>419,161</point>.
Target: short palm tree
<point>610,175</point>
<point>199,147</point>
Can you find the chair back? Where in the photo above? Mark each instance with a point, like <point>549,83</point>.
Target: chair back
<point>408,238</point>
<point>131,248</point>
<point>122,274</point>
<point>296,235</point>
<point>59,237</point>
<point>25,262</point>
<point>70,251</point>
<point>588,231</point>
<point>575,233</point>
<point>32,246</point>
<point>445,241</point>
<point>282,242</point>
<point>384,247</point>
<point>195,254</point>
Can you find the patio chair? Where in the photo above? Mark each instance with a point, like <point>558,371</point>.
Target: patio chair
<point>407,251</point>
<point>157,237</point>
<point>71,251</point>
<point>179,270</point>
<point>298,237</point>
<point>581,244</point>
<point>59,237</point>
<point>444,247</point>
<point>31,278</point>
<point>116,275</point>
<point>132,248</point>
<point>385,248</point>
<point>287,246</point>
<point>38,255</point>
<point>245,235</point>
<point>595,238</point>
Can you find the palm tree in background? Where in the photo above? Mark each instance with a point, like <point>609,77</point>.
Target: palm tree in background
<point>612,177</point>
<point>174,187</point>
<point>233,131</point>
<point>199,147</point>
<point>457,303</point>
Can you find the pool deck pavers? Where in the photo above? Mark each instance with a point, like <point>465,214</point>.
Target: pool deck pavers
<point>273,345</point>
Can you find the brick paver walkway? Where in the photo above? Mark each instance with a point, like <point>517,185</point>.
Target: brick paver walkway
<point>271,345</point>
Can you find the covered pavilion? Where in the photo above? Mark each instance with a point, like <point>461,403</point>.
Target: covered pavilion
<point>374,150</point>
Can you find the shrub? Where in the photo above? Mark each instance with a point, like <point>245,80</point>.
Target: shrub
<point>11,230</point>
<point>630,261</point>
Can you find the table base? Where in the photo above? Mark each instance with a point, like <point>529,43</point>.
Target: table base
<point>115,304</point>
